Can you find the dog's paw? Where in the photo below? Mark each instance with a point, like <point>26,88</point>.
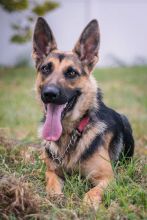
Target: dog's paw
<point>92,199</point>
<point>53,190</point>
<point>54,184</point>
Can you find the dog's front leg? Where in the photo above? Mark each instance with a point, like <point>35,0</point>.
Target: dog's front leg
<point>99,171</point>
<point>54,183</point>
<point>94,196</point>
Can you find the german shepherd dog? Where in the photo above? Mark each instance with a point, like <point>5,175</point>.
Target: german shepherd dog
<point>80,133</point>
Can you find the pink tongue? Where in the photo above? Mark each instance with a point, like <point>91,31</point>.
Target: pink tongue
<point>52,128</point>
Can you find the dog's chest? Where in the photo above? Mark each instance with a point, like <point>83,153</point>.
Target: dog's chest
<point>68,156</point>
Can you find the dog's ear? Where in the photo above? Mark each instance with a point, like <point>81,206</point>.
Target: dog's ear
<point>88,45</point>
<point>43,40</point>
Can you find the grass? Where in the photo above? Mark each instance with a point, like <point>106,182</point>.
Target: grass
<point>126,198</point>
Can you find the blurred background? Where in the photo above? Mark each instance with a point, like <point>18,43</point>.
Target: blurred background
<point>122,25</point>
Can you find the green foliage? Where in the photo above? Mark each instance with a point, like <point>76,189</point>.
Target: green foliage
<point>23,33</point>
<point>13,5</point>
<point>21,38</point>
<point>47,6</point>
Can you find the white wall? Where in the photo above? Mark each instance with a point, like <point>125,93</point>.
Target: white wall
<point>11,53</point>
<point>122,23</point>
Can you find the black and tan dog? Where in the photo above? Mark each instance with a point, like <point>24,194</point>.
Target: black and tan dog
<point>81,133</point>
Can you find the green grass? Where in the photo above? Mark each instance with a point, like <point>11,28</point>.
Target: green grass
<point>126,198</point>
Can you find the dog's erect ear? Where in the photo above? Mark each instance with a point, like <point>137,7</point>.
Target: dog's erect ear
<point>43,40</point>
<point>88,45</point>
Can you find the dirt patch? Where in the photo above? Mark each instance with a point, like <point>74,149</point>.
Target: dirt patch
<point>17,197</point>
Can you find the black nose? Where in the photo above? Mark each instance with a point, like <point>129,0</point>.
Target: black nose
<point>50,94</point>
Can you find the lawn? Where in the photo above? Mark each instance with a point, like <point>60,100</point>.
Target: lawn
<point>22,181</point>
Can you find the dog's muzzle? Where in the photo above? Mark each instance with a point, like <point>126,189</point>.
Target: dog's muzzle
<point>58,102</point>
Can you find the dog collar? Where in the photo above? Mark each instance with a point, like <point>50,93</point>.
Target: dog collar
<point>75,136</point>
<point>83,123</point>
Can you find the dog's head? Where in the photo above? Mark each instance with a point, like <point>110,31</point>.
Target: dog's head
<point>63,77</point>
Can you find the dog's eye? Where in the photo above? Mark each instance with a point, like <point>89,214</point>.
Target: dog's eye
<point>47,68</point>
<point>71,73</point>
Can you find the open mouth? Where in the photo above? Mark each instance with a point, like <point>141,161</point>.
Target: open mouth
<point>52,128</point>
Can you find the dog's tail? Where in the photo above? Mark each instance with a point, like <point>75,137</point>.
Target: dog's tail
<point>128,139</point>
